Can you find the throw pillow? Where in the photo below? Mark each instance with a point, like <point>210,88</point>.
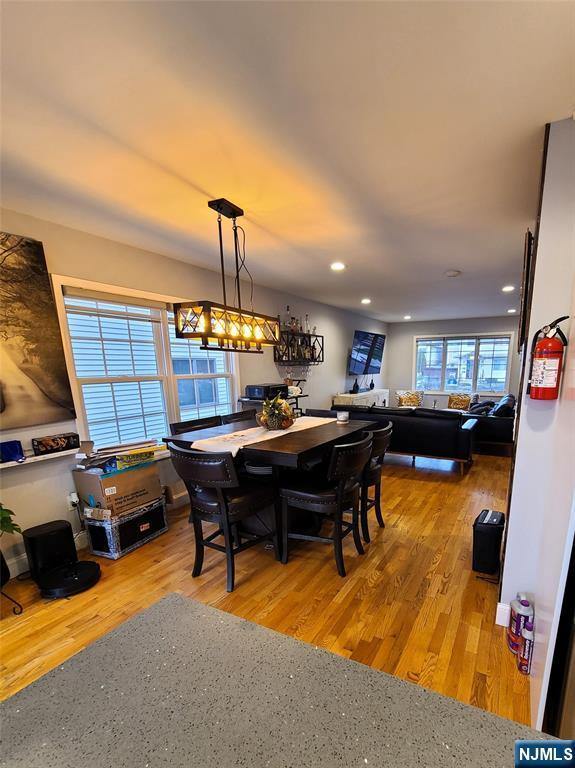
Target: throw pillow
<point>408,398</point>
<point>459,401</point>
<point>401,393</point>
<point>475,398</point>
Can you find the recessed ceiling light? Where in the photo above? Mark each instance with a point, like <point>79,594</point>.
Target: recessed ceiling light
<point>511,311</point>
<point>366,301</point>
<point>453,273</point>
<point>407,317</point>
<point>508,288</point>
<point>337,266</point>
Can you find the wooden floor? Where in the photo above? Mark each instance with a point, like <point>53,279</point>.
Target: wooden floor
<point>410,606</point>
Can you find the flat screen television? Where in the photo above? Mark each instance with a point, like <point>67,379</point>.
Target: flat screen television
<point>366,353</point>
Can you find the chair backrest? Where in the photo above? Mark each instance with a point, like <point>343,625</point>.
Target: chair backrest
<point>348,460</point>
<point>214,470</point>
<point>248,415</point>
<point>179,427</point>
<point>381,439</point>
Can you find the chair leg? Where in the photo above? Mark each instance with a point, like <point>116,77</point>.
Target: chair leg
<point>378,514</point>
<point>284,530</point>
<point>355,531</point>
<point>229,542</point>
<point>337,544</point>
<point>413,461</point>
<point>363,513</point>
<point>277,532</point>
<point>199,537</point>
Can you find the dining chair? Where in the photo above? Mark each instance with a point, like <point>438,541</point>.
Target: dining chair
<point>218,495</point>
<point>179,427</point>
<point>330,497</point>
<point>247,415</point>
<point>371,476</point>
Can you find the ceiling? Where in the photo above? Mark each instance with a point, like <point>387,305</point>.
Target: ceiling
<point>402,138</point>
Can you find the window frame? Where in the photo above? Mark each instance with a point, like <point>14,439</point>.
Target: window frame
<point>477,337</point>
<point>118,294</point>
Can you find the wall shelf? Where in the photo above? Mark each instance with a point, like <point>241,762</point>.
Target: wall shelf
<point>34,459</point>
<point>297,348</point>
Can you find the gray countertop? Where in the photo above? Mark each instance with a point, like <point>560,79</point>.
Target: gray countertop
<point>183,684</point>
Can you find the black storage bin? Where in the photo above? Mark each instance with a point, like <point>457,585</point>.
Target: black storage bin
<point>120,535</point>
<point>487,534</point>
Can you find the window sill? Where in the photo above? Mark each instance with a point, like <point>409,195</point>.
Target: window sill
<point>458,392</point>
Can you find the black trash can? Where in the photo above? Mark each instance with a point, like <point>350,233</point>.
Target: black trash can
<point>487,535</point>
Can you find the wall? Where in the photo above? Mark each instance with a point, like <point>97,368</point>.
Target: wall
<point>37,492</point>
<point>400,348</point>
<point>542,514</point>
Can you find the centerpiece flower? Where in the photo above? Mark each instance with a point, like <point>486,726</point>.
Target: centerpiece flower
<point>276,414</point>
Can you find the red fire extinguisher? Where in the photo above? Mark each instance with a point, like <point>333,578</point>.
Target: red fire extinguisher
<point>546,360</point>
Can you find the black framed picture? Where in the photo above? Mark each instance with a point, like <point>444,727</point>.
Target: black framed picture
<point>526,288</point>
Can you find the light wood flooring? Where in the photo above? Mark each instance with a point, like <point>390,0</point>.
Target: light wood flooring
<point>411,606</point>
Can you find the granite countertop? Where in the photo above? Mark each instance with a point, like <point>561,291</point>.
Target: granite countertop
<point>183,684</point>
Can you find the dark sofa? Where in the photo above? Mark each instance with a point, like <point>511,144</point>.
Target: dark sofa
<point>495,422</point>
<point>426,432</point>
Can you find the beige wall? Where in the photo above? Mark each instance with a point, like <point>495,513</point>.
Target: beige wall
<point>399,353</point>
<point>37,492</point>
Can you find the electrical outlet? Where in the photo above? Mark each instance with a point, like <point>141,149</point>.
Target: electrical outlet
<point>73,501</point>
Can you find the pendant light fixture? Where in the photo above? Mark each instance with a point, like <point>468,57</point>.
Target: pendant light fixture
<point>223,327</point>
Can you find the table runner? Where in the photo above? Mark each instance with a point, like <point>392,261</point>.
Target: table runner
<point>235,441</point>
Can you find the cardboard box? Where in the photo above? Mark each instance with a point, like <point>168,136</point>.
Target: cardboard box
<point>121,491</point>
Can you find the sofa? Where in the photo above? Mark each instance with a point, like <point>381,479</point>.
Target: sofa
<point>425,432</point>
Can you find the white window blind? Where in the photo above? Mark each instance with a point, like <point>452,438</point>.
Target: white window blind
<point>119,365</point>
<point>463,364</point>
<point>134,376</point>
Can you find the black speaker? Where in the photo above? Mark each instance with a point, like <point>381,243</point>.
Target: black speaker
<point>53,560</point>
<point>487,534</point>
<point>49,546</point>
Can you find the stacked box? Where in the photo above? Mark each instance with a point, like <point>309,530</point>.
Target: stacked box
<point>122,491</point>
<point>116,537</point>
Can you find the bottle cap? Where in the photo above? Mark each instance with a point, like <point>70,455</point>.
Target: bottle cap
<point>529,626</point>
<point>525,603</point>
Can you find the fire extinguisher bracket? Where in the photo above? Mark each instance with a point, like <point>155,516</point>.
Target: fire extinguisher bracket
<point>547,351</point>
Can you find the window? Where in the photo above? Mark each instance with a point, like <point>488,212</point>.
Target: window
<point>462,364</point>
<point>199,392</point>
<point>134,375</point>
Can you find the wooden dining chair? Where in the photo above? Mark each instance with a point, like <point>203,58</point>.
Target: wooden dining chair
<point>330,498</point>
<point>179,427</point>
<point>247,415</point>
<point>371,476</point>
<point>218,495</point>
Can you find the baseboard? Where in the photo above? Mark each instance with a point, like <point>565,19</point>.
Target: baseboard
<point>502,615</point>
<point>19,563</point>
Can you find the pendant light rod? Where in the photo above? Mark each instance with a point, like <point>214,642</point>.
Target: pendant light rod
<point>237,255</point>
<point>222,259</point>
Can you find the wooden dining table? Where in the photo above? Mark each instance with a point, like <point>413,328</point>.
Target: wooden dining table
<point>289,449</point>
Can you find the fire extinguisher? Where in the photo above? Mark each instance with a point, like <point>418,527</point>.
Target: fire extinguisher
<point>546,359</point>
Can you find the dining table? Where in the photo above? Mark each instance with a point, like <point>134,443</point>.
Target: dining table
<point>300,447</point>
<point>309,438</point>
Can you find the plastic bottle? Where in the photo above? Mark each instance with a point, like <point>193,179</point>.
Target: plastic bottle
<point>521,611</point>
<point>525,654</point>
